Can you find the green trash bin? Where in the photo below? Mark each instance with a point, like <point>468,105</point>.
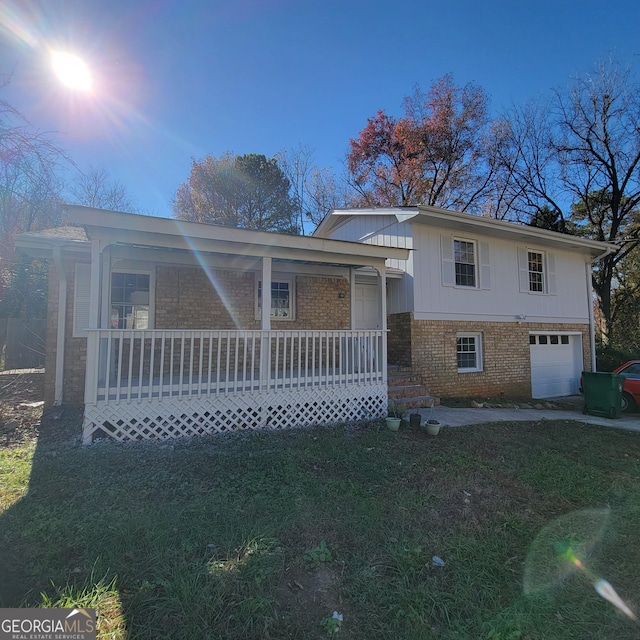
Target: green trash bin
<point>602,393</point>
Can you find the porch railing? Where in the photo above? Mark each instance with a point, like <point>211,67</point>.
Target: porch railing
<point>129,365</point>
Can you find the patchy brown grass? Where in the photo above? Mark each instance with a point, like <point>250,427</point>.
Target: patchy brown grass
<point>264,535</point>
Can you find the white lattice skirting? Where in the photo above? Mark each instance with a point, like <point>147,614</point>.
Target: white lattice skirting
<point>176,418</point>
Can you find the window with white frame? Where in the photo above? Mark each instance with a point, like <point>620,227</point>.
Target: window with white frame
<point>535,260</point>
<point>469,352</point>
<point>537,272</point>
<point>465,263</point>
<point>281,299</point>
<point>129,300</point>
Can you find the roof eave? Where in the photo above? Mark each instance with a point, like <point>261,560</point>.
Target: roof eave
<point>455,221</point>
<point>134,228</point>
<point>42,247</point>
<point>329,219</point>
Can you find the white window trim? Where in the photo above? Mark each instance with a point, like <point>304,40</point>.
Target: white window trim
<point>548,271</point>
<point>278,277</point>
<point>152,293</point>
<point>482,262</point>
<point>477,335</point>
<point>476,278</point>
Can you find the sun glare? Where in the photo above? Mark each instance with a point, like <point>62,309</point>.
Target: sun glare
<point>71,71</point>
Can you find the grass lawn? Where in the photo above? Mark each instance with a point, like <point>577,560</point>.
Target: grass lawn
<point>265,535</point>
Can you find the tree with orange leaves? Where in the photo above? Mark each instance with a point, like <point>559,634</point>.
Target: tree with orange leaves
<point>436,154</point>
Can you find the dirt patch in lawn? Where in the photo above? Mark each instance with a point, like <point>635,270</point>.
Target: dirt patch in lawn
<point>304,597</point>
<point>23,417</point>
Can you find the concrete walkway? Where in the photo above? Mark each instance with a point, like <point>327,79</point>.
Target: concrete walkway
<point>460,417</point>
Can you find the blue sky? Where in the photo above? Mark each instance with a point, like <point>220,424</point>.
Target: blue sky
<point>177,79</point>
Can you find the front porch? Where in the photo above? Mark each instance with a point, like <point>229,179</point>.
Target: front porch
<point>164,328</point>
<point>171,383</point>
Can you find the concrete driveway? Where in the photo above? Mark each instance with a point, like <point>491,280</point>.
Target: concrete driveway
<point>451,417</point>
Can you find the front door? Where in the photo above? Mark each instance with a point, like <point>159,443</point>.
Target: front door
<point>367,307</point>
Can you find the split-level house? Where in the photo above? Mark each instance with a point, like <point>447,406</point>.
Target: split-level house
<point>480,307</point>
<point>164,328</point>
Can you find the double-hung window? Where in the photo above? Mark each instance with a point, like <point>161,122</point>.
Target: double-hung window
<point>281,299</point>
<point>465,263</point>
<point>535,260</point>
<point>129,302</point>
<point>537,271</point>
<point>469,352</point>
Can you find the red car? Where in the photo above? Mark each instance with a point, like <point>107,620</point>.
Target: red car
<point>631,387</point>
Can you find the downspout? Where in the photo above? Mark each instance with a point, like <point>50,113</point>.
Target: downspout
<point>592,327</point>
<point>382,285</point>
<point>60,332</point>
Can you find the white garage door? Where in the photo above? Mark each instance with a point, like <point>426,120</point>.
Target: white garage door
<point>556,364</point>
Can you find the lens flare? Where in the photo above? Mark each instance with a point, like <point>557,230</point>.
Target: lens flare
<point>71,70</point>
<point>565,547</point>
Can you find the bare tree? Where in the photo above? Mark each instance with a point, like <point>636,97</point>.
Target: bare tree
<point>315,190</point>
<point>30,187</point>
<point>95,188</point>
<point>579,156</point>
<point>528,172</point>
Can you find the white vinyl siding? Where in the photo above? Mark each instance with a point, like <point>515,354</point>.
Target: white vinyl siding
<point>429,288</point>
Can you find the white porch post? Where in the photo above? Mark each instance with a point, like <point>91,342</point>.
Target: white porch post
<point>266,294</point>
<point>91,372</point>
<point>265,323</point>
<point>61,328</point>
<point>352,293</point>
<point>382,286</point>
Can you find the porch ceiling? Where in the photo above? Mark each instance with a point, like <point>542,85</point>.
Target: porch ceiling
<point>113,227</point>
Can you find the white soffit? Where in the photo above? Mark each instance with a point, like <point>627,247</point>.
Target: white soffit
<point>469,223</point>
<point>127,228</point>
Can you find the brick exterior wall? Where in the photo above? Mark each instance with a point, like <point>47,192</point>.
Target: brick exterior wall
<point>185,298</point>
<point>399,339</point>
<point>320,305</point>
<point>429,347</point>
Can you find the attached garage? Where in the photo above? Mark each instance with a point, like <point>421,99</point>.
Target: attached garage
<point>556,364</point>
